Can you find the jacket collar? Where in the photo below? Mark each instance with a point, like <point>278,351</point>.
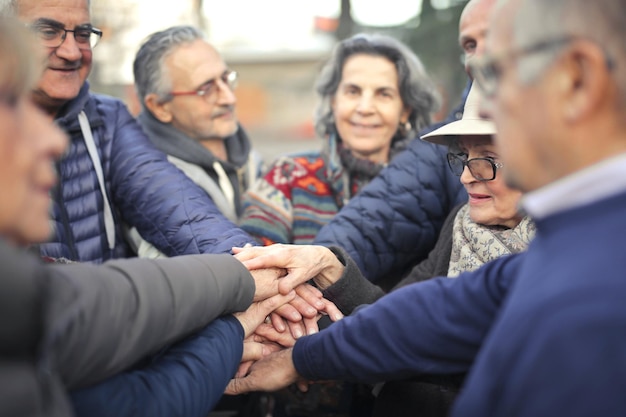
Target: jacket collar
<point>174,142</point>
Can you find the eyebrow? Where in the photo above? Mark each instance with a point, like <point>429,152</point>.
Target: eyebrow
<point>44,21</point>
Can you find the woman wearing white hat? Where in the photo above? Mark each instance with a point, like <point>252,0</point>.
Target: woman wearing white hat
<point>488,226</point>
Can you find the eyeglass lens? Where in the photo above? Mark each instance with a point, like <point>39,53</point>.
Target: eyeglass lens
<point>53,37</point>
<point>482,169</point>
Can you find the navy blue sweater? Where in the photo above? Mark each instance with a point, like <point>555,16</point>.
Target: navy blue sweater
<point>188,381</point>
<point>541,333</point>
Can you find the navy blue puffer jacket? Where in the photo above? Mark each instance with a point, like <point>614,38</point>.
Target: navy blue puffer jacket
<point>394,221</point>
<point>144,190</point>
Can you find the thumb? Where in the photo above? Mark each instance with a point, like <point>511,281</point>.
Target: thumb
<point>236,386</point>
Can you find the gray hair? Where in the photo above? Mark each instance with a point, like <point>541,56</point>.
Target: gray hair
<point>9,7</point>
<point>417,91</point>
<point>601,21</point>
<point>149,68</point>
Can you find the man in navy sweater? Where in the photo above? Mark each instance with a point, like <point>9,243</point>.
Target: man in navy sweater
<point>540,333</point>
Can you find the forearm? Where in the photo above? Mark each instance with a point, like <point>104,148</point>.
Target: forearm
<point>106,318</point>
<point>187,380</point>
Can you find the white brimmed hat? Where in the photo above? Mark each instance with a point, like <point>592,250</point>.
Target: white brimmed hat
<point>470,124</point>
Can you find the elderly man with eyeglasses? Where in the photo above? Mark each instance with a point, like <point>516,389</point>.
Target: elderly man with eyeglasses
<point>188,112</point>
<point>540,333</point>
<point>111,176</point>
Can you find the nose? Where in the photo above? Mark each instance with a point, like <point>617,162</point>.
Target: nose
<point>365,103</point>
<point>225,94</point>
<point>466,176</point>
<point>69,49</point>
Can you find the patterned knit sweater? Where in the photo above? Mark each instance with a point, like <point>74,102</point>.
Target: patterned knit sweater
<point>302,192</point>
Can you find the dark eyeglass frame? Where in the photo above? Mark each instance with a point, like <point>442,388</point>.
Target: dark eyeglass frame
<point>488,69</point>
<point>471,165</point>
<point>53,36</point>
<point>209,89</point>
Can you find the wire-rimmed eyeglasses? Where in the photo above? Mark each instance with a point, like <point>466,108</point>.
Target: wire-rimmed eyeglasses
<point>482,169</point>
<point>209,89</point>
<point>53,36</point>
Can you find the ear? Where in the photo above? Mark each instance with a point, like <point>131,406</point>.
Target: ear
<point>586,82</point>
<point>404,116</point>
<point>159,109</point>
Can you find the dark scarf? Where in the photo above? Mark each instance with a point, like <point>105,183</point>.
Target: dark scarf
<point>362,171</point>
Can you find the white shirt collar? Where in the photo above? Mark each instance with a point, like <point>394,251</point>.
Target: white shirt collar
<point>599,181</point>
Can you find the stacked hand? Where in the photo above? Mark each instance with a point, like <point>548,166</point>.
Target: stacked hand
<point>283,270</point>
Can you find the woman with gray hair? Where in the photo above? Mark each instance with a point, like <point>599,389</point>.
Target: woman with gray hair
<point>375,95</point>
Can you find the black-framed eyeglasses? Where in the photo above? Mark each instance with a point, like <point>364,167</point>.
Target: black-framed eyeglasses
<point>482,169</point>
<point>209,90</point>
<point>52,36</point>
<point>487,70</point>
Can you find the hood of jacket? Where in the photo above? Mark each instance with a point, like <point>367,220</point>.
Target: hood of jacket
<point>174,142</point>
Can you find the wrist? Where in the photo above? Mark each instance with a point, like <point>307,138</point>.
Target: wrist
<point>332,270</point>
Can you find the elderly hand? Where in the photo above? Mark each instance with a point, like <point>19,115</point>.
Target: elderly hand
<point>268,374</point>
<point>267,282</point>
<point>302,263</point>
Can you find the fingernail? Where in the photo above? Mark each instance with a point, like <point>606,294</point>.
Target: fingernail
<point>312,331</point>
<point>297,333</point>
<point>337,317</point>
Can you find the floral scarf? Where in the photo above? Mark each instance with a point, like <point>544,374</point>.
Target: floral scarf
<point>474,244</point>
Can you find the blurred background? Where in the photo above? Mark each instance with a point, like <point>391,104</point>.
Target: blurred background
<point>278,48</point>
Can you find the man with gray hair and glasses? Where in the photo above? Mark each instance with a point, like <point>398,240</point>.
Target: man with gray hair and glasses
<point>188,112</point>
<point>540,333</point>
<point>111,175</point>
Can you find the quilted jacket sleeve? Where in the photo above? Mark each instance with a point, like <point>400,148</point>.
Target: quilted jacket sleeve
<point>394,221</point>
<point>165,206</point>
<point>187,380</point>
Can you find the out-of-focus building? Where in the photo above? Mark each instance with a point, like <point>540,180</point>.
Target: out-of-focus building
<point>277,46</point>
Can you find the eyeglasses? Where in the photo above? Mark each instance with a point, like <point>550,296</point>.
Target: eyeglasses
<point>487,70</point>
<point>52,36</point>
<point>209,90</point>
<point>482,169</point>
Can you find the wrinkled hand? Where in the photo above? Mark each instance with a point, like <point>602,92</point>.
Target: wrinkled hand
<point>258,311</point>
<point>271,373</point>
<point>267,282</point>
<point>302,263</point>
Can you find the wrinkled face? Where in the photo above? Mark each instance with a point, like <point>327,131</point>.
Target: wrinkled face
<point>200,117</point>
<point>29,145</point>
<point>367,106</point>
<point>67,65</point>
<point>473,27</point>
<point>491,203</point>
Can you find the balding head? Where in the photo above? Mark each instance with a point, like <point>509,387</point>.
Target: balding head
<point>473,27</point>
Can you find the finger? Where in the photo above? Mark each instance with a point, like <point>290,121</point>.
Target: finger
<point>243,369</point>
<point>252,351</point>
<point>288,312</point>
<point>297,330</point>
<point>268,332</point>
<point>277,321</point>
<point>303,307</point>
<point>311,295</point>
<point>310,326</point>
<point>332,310</point>
<point>237,386</point>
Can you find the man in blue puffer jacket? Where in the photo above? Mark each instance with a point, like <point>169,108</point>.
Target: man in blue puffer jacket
<point>112,175</point>
<point>394,222</point>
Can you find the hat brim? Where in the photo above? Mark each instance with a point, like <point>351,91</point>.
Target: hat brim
<point>448,134</point>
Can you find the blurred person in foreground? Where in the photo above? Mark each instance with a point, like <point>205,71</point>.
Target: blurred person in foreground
<point>66,327</point>
<point>485,228</point>
<point>188,111</point>
<point>111,175</point>
<point>540,333</point>
<point>374,95</point>
<point>394,222</point>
